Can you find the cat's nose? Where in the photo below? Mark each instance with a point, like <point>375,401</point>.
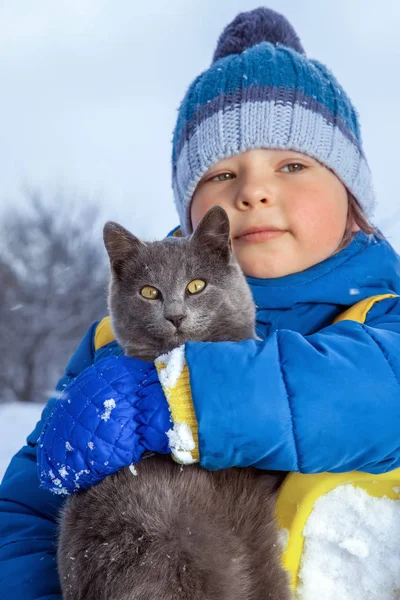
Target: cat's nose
<point>175,319</point>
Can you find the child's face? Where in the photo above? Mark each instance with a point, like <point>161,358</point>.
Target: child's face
<point>300,206</point>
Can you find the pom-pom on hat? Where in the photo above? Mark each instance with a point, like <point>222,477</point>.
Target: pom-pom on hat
<point>261,91</point>
<point>254,27</point>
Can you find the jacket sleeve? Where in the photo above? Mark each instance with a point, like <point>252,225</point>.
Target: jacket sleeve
<point>323,402</point>
<point>28,513</point>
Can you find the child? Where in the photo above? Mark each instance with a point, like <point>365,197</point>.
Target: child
<point>269,135</point>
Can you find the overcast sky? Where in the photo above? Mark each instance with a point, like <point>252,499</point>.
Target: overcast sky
<point>90,90</point>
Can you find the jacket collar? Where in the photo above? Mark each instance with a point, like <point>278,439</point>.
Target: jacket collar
<point>367,266</point>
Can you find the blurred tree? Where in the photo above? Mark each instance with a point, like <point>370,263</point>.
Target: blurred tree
<point>53,274</point>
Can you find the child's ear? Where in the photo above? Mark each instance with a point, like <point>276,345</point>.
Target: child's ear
<point>120,244</point>
<point>213,232</point>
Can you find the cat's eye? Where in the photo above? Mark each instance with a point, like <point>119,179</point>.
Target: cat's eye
<point>196,286</point>
<point>150,292</point>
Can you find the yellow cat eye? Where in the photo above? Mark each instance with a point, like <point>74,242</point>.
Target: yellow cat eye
<point>196,286</point>
<point>150,292</point>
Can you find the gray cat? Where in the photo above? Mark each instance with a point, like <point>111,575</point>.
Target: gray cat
<point>174,532</point>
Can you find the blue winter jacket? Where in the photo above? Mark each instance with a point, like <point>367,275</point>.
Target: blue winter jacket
<point>311,396</point>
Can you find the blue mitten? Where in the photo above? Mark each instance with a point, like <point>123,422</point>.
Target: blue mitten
<point>104,420</point>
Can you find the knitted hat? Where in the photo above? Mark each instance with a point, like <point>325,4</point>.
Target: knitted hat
<point>261,91</point>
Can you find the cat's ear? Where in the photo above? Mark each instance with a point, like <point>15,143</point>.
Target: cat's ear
<point>120,244</point>
<point>213,232</point>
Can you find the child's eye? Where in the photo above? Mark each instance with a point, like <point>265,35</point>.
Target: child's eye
<point>293,167</point>
<point>223,177</point>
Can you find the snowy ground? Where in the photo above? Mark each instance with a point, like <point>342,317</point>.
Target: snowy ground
<point>17,420</point>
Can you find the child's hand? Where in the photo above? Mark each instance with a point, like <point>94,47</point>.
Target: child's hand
<point>105,419</point>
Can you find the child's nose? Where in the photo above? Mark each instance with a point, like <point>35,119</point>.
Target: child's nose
<point>251,195</point>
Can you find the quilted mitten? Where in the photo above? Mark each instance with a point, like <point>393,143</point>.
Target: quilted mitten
<point>104,420</point>
<point>111,414</point>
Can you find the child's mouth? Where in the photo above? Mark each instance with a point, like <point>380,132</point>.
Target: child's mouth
<point>261,235</point>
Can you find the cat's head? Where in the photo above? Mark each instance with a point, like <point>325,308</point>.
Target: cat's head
<point>165,293</point>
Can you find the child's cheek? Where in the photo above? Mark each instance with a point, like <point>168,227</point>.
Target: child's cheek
<point>195,211</point>
<point>201,203</point>
<point>319,225</point>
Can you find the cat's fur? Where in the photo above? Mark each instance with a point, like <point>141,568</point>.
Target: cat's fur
<point>175,532</point>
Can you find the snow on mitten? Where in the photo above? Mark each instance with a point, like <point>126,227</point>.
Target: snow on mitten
<point>174,377</point>
<point>104,420</point>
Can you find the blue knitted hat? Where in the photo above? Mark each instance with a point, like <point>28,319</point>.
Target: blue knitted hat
<point>261,91</point>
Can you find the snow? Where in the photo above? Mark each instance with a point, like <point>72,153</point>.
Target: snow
<point>181,443</point>
<point>78,476</point>
<point>133,470</point>
<point>16,307</point>
<point>63,472</point>
<point>17,420</point>
<point>180,437</point>
<point>174,361</point>
<point>351,548</point>
<point>108,407</point>
<point>59,488</point>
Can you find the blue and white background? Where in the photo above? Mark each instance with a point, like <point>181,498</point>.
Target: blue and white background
<point>90,90</point>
